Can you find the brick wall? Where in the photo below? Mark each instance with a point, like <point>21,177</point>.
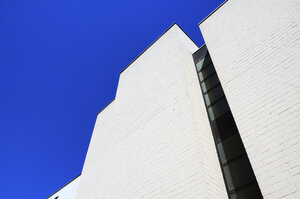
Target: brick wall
<point>154,140</point>
<point>255,47</point>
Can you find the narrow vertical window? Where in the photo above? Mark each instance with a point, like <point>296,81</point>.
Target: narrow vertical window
<point>237,171</point>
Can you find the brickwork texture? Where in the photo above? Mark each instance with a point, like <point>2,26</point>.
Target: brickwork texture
<point>255,47</point>
<point>154,139</point>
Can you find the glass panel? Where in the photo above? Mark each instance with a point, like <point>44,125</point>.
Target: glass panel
<point>237,170</point>
<point>200,54</point>
<point>199,64</point>
<point>213,95</point>
<point>209,83</point>
<point>224,127</point>
<point>206,61</point>
<point>203,63</point>
<point>249,192</point>
<point>238,173</point>
<point>201,78</point>
<point>230,148</point>
<point>228,178</point>
<point>218,109</point>
<point>207,71</point>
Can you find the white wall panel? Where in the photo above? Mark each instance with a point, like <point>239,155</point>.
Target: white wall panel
<point>154,140</point>
<point>255,47</point>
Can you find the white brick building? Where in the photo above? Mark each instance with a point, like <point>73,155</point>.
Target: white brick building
<point>228,129</point>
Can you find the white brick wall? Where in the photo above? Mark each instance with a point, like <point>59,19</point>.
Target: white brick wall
<point>255,47</point>
<point>154,140</point>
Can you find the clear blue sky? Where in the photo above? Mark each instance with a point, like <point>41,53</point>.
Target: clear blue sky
<point>59,66</point>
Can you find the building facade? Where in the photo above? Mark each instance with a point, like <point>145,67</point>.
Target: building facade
<point>219,121</point>
<point>255,49</point>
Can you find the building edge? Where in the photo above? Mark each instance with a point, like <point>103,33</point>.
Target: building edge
<point>212,12</point>
<point>175,23</point>
<point>65,185</point>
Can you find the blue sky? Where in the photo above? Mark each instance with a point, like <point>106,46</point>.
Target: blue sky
<point>59,66</point>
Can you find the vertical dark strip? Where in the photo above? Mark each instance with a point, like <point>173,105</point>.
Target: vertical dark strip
<point>237,171</point>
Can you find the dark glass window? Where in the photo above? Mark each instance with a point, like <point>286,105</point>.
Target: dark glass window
<point>200,54</point>
<point>199,64</point>
<point>223,127</point>
<point>249,192</point>
<point>206,72</point>
<point>213,95</point>
<point>237,173</point>
<point>207,60</point>
<point>230,148</point>
<point>218,109</point>
<point>209,83</point>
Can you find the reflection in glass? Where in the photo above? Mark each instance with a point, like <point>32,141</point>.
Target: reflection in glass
<point>213,95</point>
<point>238,172</point>
<point>209,83</point>
<point>217,109</point>
<point>224,127</point>
<point>249,192</point>
<point>199,64</point>
<point>207,71</point>
<point>230,148</point>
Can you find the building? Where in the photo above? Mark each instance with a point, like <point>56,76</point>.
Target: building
<point>219,121</point>
<point>67,191</point>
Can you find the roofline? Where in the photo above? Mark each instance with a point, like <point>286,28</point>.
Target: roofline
<point>146,50</point>
<point>125,69</point>
<point>156,40</point>
<point>65,185</point>
<point>106,106</point>
<point>212,12</point>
